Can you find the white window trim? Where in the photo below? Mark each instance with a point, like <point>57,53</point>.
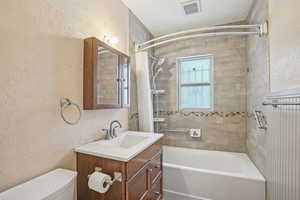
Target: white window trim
<point>178,61</point>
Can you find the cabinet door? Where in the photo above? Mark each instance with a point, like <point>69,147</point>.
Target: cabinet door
<point>156,191</point>
<point>155,167</point>
<point>137,187</point>
<point>103,76</point>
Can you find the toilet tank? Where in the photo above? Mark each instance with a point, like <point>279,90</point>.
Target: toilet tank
<point>58,184</point>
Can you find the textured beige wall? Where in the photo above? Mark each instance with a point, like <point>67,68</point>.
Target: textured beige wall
<point>41,60</point>
<point>258,86</point>
<point>284,45</point>
<point>273,64</point>
<point>225,128</point>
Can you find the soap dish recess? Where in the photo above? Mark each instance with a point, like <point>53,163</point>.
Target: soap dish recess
<point>158,92</point>
<point>159,119</point>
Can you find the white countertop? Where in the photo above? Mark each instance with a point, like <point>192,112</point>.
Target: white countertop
<point>123,148</point>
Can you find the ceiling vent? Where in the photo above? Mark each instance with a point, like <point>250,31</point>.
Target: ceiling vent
<point>191,6</point>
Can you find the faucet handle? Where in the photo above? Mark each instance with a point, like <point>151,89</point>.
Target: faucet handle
<point>105,130</point>
<point>117,126</point>
<point>106,133</point>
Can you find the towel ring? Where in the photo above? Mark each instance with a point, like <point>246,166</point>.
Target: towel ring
<point>64,103</point>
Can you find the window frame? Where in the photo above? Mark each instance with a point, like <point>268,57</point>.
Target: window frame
<point>211,83</point>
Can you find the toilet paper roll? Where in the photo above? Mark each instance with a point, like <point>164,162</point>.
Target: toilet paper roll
<point>98,182</point>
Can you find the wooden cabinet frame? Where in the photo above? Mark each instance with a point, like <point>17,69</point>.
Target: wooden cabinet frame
<point>90,75</point>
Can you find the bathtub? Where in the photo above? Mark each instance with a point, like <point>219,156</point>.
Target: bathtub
<point>210,175</point>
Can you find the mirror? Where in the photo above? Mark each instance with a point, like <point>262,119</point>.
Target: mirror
<point>125,82</point>
<point>106,76</point>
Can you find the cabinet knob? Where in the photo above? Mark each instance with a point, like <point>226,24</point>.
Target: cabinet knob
<point>157,193</point>
<point>150,170</point>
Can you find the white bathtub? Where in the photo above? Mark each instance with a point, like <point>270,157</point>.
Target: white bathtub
<point>210,175</point>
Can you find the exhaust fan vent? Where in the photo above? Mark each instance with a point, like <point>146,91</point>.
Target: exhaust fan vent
<point>191,6</point>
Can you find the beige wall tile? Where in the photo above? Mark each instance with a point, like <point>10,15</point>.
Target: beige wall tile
<point>229,86</point>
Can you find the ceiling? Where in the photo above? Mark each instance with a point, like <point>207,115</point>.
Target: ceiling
<point>167,16</point>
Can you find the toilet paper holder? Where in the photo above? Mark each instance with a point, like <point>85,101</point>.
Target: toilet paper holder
<point>117,176</point>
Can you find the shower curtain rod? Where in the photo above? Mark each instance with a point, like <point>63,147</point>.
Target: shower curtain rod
<point>261,30</point>
<point>201,30</point>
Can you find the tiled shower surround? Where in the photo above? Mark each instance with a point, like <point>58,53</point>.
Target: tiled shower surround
<point>223,129</point>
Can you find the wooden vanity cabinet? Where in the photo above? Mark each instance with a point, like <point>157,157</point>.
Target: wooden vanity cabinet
<point>142,176</point>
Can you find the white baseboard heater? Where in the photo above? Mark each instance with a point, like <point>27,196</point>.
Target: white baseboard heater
<point>283,148</point>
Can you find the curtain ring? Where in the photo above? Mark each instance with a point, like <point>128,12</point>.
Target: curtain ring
<point>64,103</point>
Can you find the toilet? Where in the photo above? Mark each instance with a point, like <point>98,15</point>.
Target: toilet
<point>58,184</point>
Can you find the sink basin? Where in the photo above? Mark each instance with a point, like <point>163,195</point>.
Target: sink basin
<point>122,148</point>
<point>129,141</point>
<point>125,141</point>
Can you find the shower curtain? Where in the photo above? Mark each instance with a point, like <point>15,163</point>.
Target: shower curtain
<point>145,105</point>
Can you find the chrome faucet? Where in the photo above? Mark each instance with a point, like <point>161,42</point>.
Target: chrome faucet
<point>111,132</point>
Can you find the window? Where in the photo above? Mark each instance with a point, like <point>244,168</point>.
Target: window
<point>125,85</point>
<point>195,78</point>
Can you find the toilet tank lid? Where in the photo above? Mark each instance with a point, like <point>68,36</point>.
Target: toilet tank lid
<point>41,187</point>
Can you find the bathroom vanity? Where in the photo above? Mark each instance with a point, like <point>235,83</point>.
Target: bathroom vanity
<point>137,156</point>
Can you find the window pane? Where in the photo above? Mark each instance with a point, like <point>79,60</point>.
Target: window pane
<point>206,76</point>
<point>195,70</point>
<point>125,76</point>
<point>196,97</point>
<point>126,96</point>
